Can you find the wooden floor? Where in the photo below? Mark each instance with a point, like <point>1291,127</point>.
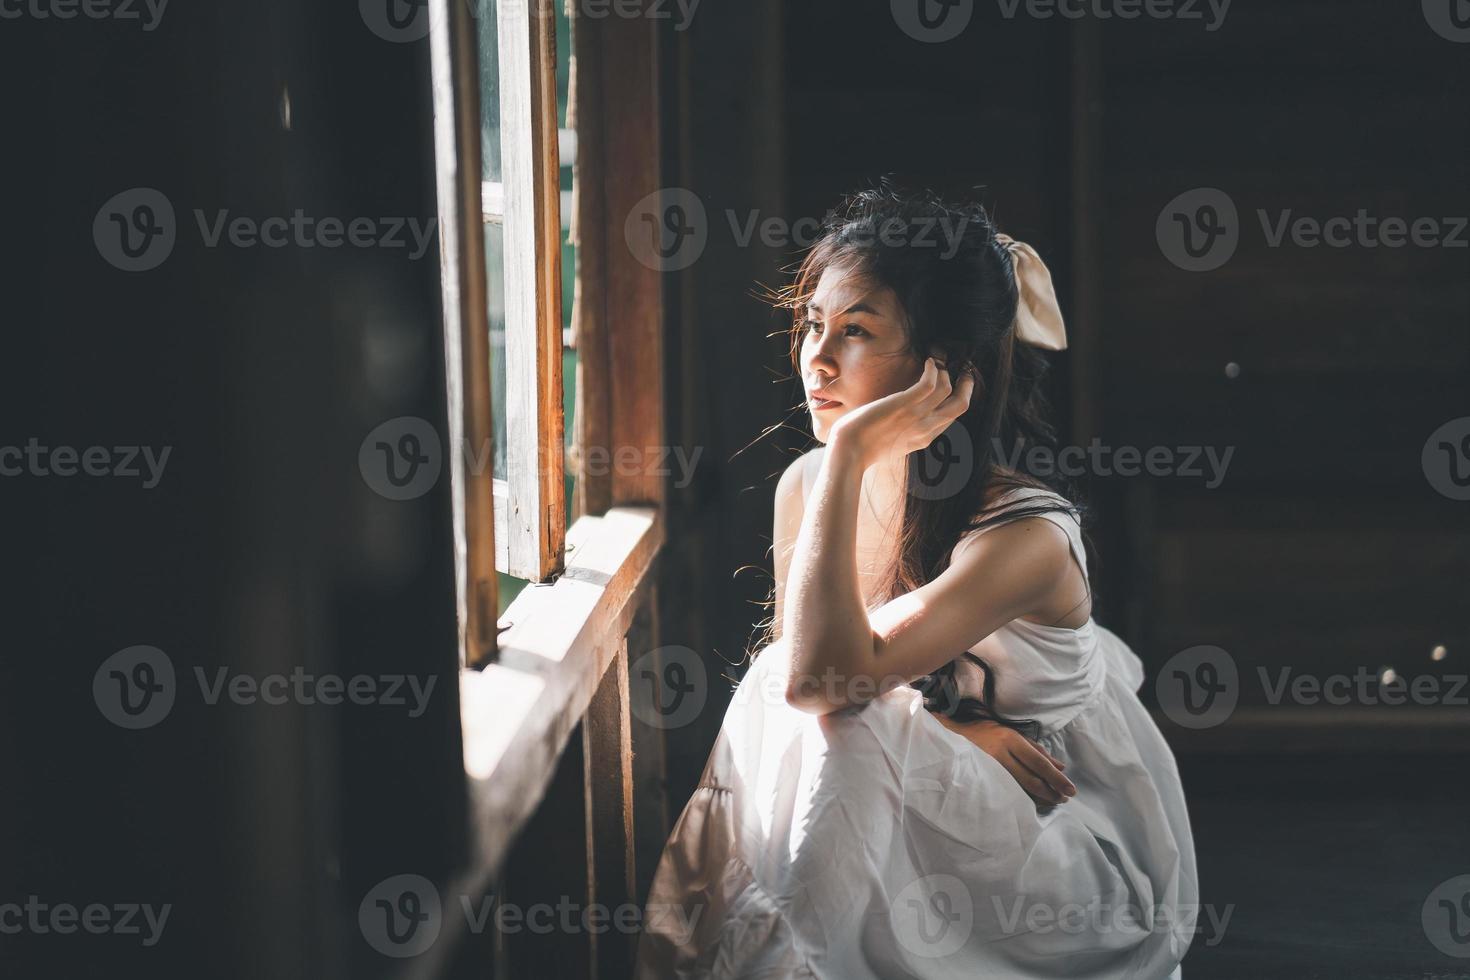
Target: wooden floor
<point>1324,863</point>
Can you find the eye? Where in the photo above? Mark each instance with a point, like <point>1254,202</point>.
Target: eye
<point>850,330</point>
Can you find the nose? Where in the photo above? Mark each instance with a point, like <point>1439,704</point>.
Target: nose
<point>819,354</point>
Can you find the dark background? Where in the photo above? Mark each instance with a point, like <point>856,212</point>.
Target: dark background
<point>262,549</point>
<point>1325,546</point>
<point>1325,549</point>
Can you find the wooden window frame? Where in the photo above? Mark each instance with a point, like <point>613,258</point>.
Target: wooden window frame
<point>530,504</point>
<point>517,525</point>
<point>559,656</point>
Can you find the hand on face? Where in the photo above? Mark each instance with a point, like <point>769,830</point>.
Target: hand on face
<point>855,347</point>
<point>907,420</point>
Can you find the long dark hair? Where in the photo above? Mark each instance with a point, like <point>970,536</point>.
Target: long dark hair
<point>957,285</point>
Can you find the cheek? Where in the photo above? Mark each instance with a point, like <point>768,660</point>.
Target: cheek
<point>887,375</point>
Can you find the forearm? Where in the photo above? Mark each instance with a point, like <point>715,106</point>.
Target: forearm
<point>824,617</point>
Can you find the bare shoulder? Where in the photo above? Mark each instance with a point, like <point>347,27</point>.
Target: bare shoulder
<point>1034,556</point>
<point>1034,546</point>
<point>798,475</point>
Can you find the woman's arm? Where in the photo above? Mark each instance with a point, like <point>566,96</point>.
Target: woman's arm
<point>824,616</point>
<point>789,505</point>
<point>841,654</point>
<point>1031,766</point>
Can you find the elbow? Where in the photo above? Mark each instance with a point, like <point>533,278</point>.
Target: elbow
<point>819,691</point>
<point>802,699</point>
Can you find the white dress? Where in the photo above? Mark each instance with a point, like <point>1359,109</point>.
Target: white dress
<point>875,843</point>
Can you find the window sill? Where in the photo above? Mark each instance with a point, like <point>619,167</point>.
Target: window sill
<point>559,640</point>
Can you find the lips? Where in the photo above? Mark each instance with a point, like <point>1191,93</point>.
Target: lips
<point>818,403</point>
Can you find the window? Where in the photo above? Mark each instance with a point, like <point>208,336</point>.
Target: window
<point>501,202</point>
<point>520,115</point>
<point>555,659</point>
<point>523,561</point>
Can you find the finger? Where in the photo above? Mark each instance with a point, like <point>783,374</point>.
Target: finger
<point>1033,758</point>
<point>1032,783</point>
<point>930,391</point>
<point>943,383</point>
<point>959,399</point>
<point>1028,780</point>
<point>1049,757</point>
<point>934,372</point>
<point>1046,768</point>
<point>968,380</point>
<point>919,391</point>
<point>1054,792</point>
<point>1051,791</point>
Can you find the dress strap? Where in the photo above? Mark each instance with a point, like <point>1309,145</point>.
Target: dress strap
<point>1065,519</point>
<point>1072,527</point>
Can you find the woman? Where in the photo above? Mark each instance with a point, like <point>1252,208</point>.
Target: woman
<point>938,765</point>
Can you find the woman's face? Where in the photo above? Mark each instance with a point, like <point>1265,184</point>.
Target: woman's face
<point>854,347</point>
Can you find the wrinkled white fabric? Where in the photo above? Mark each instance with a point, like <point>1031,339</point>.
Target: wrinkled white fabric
<point>875,843</point>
